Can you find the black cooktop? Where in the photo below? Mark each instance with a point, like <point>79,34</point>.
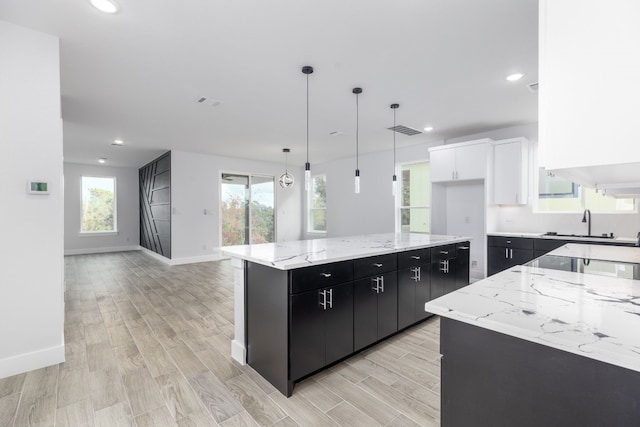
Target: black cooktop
<point>598,267</point>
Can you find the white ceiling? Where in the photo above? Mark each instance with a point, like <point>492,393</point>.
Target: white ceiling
<point>136,74</point>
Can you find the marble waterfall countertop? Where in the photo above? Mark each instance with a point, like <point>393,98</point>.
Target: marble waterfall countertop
<point>304,253</point>
<point>590,315</point>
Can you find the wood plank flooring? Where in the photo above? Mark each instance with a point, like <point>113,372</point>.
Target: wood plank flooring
<point>149,345</point>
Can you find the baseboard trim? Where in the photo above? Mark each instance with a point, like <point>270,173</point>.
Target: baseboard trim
<point>238,352</point>
<point>87,251</point>
<point>15,365</point>
<point>217,256</point>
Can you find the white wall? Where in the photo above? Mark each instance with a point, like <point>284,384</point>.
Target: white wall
<point>195,186</point>
<point>127,205</point>
<point>31,254</point>
<point>371,211</point>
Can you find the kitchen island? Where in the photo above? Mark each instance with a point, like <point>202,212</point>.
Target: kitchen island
<point>303,305</point>
<point>555,342</point>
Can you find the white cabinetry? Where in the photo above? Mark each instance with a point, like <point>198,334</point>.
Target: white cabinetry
<point>590,91</point>
<point>510,171</point>
<point>459,162</point>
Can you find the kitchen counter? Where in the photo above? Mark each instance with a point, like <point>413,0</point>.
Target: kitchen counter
<point>304,253</point>
<point>300,306</point>
<point>562,313</point>
<point>623,241</point>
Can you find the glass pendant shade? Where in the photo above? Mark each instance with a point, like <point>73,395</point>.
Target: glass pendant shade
<point>357,182</point>
<point>394,186</point>
<point>307,176</point>
<point>286,179</point>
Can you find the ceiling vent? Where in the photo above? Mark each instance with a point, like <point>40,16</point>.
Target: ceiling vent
<point>208,101</point>
<point>405,130</point>
<point>533,87</point>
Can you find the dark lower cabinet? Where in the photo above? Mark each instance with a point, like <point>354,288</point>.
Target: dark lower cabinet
<point>506,252</point>
<point>443,271</point>
<point>462,265</point>
<point>321,328</point>
<point>375,309</point>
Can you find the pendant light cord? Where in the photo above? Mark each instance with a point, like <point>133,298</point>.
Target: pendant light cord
<point>357,128</point>
<point>394,141</point>
<point>307,118</point>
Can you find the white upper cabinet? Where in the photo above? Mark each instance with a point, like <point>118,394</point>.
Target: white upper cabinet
<point>456,162</point>
<point>510,171</point>
<point>589,97</point>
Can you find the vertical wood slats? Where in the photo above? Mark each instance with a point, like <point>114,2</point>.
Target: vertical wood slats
<point>150,235</point>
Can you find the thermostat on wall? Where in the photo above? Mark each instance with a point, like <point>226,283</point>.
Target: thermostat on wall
<point>37,187</point>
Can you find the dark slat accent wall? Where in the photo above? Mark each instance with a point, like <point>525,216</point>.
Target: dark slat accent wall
<point>155,205</point>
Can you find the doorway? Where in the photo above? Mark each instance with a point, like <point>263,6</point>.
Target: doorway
<point>247,209</point>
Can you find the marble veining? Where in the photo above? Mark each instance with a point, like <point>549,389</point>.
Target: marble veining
<point>590,315</point>
<point>303,253</point>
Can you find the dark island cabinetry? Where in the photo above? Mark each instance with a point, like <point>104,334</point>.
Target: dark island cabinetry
<point>301,320</point>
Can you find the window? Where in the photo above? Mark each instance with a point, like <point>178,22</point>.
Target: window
<point>98,205</point>
<point>413,198</point>
<point>318,205</point>
<point>556,194</point>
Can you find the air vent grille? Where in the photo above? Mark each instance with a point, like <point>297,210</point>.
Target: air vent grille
<point>533,87</point>
<point>405,130</point>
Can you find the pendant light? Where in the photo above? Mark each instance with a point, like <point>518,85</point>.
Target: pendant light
<point>357,92</point>
<point>286,179</point>
<point>307,166</point>
<point>394,183</point>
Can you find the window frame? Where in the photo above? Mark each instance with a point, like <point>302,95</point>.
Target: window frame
<point>398,207</point>
<point>115,208</point>
<point>311,209</point>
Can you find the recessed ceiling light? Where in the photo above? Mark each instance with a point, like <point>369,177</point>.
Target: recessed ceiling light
<point>106,6</point>
<point>428,128</point>
<point>102,160</point>
<point>117,142</point>
<point>514,77</point>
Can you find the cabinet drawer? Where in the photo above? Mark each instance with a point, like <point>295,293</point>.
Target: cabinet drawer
<point>414,258</point>
<point>319,276</point>
<point>547,245</point>
<point>442,253</point>
<point>372,266</point>
<point>510,242</point>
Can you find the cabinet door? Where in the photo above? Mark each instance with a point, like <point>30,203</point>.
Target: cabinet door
<point>520,256</point>
<point>339,323</point>
<point>388,306</point>
<point>471,162</point>
<point>437,280</point>
<point>449,276</point>
<point>406,297</point>
<point>497,259</point>
<point>423,291</point>
<point>307,334</point>
<point>442,164</point>
<point>365,313</point>
<point>509,173</point>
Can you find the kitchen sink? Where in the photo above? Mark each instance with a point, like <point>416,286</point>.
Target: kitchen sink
<point>603,236</point>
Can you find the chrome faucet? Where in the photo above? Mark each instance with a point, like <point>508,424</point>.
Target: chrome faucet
<point>587,218</point>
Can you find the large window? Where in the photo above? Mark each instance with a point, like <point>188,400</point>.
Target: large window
<point>318,205</point>
<point>98,205</point>
<point>556,194</point>
<point>414,198</point>
<point>247,209</point>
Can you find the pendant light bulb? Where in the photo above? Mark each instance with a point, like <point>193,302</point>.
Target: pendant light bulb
<point>306,70</point>
<point>394,182</point>
<point>357,91</point>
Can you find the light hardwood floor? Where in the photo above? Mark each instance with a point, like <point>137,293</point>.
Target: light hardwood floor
<point>149,345</point>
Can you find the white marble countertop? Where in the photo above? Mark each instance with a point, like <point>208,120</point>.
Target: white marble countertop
<point>304,253</point>
<point>617,240</point>
<point>593,316</point>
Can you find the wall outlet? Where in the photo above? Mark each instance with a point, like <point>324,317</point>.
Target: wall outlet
<point>474,264</point>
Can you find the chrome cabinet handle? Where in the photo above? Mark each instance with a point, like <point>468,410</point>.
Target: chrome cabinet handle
<point>506,252</point>
<point>326,275</point>
<point>444,252</point>
<point>416,274</point>
<point>464,248</point>
<point>378,283</point>
<point>415,257</point>
<point>323,303</point>
<point>376,264</point>
<point>444,266</point>
<point>511,253</point>
<point>330,301</point>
